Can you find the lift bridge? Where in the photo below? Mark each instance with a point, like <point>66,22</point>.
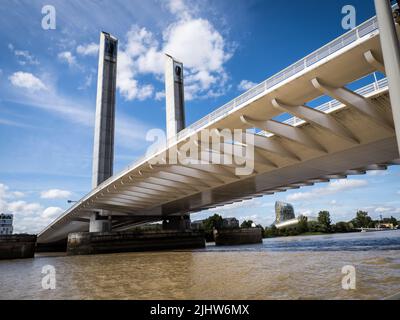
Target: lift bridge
<point>349,135</point>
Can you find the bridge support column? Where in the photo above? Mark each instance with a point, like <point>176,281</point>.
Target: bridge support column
<point>103,150</point>
<point>179,223</point>
<point>174,96</point>
<point>99,223</point>
<point>391,56</point>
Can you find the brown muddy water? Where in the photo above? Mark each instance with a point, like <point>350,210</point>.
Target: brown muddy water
<point>285,268</point>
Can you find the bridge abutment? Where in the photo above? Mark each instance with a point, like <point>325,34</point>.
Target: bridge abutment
<point>179,223</point>
<point>87,243</point>
<point>99,223</point>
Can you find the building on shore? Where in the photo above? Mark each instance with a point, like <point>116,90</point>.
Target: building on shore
<point>6,224</point>
<point>283,212</point>
<point>285,216</point>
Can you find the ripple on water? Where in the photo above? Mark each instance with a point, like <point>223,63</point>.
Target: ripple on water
<point>291,268</point>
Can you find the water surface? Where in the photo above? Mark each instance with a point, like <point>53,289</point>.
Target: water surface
<point>281,268</point>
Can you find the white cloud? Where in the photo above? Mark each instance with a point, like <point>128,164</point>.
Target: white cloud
<point>160,95</point>
<point>6,194</point>
<point>55,194</point>
<point>29,217</point>
<point>379,173</point>
<point>23,206</point>
<point>194,41</point>
<point>177,6</point>
<point>382,209</point>
<point>67,57</point>
<point>130,133</point>
<point>27,81</point>
<point>51,213</point>
<point>87,83</point>
<point>90,49</point>
<point>332,188</point>
<point>245,85</point>
<point>127,85</point>
<point>24,58</point>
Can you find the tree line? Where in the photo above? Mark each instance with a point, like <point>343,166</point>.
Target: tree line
<point>323,225</point>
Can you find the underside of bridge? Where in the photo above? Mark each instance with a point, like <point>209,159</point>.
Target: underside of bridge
<point>350,135</point>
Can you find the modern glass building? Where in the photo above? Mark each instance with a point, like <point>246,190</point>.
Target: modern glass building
<point>283,212</point>
<point>6,224</point>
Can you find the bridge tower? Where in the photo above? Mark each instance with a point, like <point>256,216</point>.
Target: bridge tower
<point>174,96</point>
<point>391,56</point>
<point>175,121</point>
<point>103,152</point>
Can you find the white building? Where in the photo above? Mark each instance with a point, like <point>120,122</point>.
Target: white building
<point>6,224</point>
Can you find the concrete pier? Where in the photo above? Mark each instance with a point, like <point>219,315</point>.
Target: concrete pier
<point>17,246</point>
<point>231,237</point>
<point>58,246</point>
<point>86,243</point>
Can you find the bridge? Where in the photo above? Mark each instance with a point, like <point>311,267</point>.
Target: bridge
<point>349,135</point>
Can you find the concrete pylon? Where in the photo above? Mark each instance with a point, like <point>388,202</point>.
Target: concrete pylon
<point>391,57</point>
<point>174,96</point>
<point>103,151</point>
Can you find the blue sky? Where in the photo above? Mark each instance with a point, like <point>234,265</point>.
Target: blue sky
<point>48,92</point>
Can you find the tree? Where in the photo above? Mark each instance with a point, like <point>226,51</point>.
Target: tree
<point>324,220</point>
<point>271,232</point>
<point>391,220</point>
<point>342,227</point>
<point>313,226</point>
<point>247,224</point>
<point>302,227</point>
<point>260,227</point>
<point>213,222</point>
<point>362,220</point>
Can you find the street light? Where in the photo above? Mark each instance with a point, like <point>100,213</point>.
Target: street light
<point>71,201</point>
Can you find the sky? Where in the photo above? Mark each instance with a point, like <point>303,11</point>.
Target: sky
<point>48,92</point>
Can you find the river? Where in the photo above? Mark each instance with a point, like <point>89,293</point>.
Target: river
<point>307,267</point>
